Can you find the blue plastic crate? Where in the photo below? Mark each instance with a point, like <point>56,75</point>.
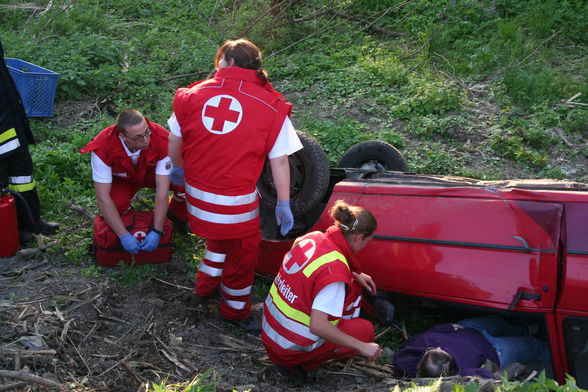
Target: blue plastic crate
<point>36,86</point>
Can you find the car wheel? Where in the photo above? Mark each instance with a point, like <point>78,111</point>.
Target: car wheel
<point>309,179</point>
<point>374,155</point>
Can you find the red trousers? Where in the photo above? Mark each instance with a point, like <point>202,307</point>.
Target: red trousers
<point>228,266</point>
<point>359,328</point>
<point>122,192</point>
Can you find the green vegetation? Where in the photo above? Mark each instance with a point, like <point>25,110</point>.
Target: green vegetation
<point>477,88</point>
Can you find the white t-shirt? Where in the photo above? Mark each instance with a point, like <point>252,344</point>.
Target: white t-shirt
<point>102,173</point>
<point>286,143</point>
<point>330,299</point>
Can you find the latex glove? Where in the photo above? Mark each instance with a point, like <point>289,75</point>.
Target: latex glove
<point>176,176</point>
<point>151,242</point>
<point>284,217</point>
<point>130,243</point>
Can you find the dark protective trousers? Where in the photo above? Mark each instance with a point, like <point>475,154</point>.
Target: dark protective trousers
<point>16,172</point>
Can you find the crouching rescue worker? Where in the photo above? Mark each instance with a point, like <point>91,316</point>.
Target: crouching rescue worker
<point>128,156</point>
<point>222,131</point>
<point>311,312</point>
<point>16,165</point>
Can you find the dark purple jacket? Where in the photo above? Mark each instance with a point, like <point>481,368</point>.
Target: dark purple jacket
<point>467,346</point>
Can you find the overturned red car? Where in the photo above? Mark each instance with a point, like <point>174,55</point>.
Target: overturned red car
<point>518,248</point>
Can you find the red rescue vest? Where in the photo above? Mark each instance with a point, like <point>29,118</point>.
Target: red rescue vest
<point>229,124</point>
<point>315,261</point>
<point>109,148</point>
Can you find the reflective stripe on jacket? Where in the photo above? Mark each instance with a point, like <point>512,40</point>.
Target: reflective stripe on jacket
<point>229,124</point>
<point>313,263</point>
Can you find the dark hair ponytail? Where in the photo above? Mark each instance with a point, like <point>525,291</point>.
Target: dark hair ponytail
<point>353,219</point>
<point>244,53</point>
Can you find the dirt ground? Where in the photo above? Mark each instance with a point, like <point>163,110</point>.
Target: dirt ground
<point>82,334</point>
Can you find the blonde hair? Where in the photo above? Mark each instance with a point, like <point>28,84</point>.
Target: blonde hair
<point>353,219</point>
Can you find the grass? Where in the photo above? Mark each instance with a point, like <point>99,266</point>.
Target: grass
<point>468,88</point>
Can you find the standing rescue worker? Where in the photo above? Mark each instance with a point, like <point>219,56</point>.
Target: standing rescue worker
<point>128,156</point>
<point>16,165</point>
<point>311,312</point>
<point>222,130</point>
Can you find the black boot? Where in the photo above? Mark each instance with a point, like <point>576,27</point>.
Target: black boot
<point>250,324</point>
<point>26,237</point>
<point>47,228</point>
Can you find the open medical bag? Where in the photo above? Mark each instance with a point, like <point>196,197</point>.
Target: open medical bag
<point>107,247</point>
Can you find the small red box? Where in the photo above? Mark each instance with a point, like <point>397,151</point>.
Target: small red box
<point>108,248</point>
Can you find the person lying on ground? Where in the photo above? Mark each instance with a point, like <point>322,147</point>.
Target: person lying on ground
<point>463,348</point>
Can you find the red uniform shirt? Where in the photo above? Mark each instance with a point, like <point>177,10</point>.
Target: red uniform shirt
<point>109,148</point>
<point>229,124</point>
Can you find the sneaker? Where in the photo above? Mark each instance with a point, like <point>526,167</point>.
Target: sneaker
<point>250,324</point>
<point>515,371</point>
<point>47,228</point>
<point>384,311</point>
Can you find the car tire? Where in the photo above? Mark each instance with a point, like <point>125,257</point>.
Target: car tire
<point>374,154</point>
<point>309,179</point>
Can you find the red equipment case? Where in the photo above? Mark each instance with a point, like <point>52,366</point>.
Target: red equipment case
<point>8,226</point>
<point>107,245</point>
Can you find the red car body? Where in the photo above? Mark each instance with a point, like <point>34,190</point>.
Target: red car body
<point>516,248</point>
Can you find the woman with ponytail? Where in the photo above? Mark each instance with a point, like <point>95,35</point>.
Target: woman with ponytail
<point>222,131</point>
<point>311,313</point>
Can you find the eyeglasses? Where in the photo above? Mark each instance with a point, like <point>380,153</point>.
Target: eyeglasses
<point>138,138</point>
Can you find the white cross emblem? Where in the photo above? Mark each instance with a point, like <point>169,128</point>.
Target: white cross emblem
<point>221,114</point>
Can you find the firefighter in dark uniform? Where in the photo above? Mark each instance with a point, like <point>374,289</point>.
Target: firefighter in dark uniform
<point>16,165</point>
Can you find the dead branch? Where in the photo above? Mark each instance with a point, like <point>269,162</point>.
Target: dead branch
<point>177,286</point>
<point>29,378</point>
<point>28,352</point>
<point>9,387</point>
<point>562,136</point>
<point>81,210</point>
<point>570,101</point>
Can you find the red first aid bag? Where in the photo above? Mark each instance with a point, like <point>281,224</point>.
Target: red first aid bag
<point>107,247</point>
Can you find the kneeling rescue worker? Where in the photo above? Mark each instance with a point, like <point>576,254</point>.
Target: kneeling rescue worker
<point>311,312</point>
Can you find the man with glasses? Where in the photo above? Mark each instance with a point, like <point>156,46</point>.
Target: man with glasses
<point>128,156</point>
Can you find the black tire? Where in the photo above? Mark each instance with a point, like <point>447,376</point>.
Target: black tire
<point>375,155</point>
<point>309,179</point>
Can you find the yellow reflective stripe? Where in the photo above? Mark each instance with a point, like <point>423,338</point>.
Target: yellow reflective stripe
<point>286,309</point>
<point>10,134</point>
<point>22,187</point>
<point>324,259</point>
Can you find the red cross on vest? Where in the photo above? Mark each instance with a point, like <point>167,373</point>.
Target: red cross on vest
<point>299,256</point>
<point>222,114</point>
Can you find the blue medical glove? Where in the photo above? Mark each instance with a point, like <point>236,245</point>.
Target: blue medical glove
<point>130,243</point>
<point>176,176</point>
<point>151,242</point>
<point>284,217</point>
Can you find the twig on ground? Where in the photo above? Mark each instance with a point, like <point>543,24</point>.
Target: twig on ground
<point>383,333</point>
<point>29,378</point>
<point>177,286</point>
<point>81,210</point>
<point>9,387</point>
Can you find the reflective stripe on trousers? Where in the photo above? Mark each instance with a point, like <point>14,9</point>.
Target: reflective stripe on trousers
<point>216,259</point>
<point>285,343</point>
